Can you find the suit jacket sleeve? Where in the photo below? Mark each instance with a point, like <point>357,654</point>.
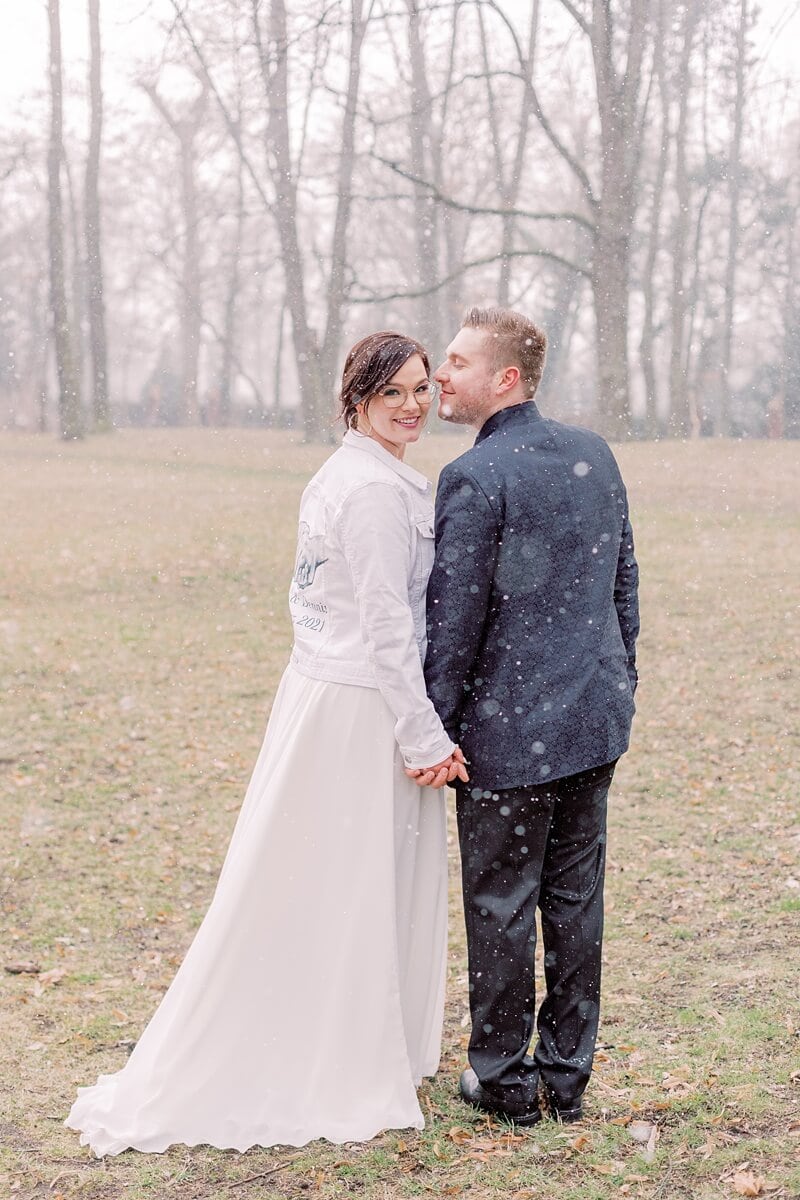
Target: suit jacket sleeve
<point>626,596</point>
<point>459,590</point>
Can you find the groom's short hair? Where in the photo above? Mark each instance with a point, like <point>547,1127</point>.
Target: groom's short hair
<point>512,340</point>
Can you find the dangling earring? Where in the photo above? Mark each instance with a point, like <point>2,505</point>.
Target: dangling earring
<point>362,414</point>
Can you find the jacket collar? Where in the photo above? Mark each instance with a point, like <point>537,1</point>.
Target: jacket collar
<point>507,418</point>
<point>360,441</point>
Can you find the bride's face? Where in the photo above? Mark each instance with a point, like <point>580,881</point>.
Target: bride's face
<point>397,413</point>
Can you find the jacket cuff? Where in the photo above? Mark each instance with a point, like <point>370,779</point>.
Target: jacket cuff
<point>416,759</point>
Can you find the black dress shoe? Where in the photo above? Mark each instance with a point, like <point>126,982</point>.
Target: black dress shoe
<point>565,1115</point>
<point>472,1093</point>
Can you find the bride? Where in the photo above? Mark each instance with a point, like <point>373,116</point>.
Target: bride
<point>310,1002</point>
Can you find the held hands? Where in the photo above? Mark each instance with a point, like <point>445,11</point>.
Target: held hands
<point>444,772</point>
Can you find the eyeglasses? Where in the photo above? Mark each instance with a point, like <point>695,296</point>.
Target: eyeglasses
<point>395,396</point>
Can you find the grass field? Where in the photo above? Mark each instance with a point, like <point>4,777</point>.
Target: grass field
<point>143,629</point>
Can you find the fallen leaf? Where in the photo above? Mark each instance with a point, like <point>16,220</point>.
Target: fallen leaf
<point>459,1135</point>
<point>437,1150</point>
<point>22,968</point>
<point>677,1080</point>
<point>581,1143</point>
<point>478,1155</point>
<point>747,1183</point>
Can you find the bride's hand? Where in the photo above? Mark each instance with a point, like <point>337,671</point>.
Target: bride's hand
<point>451,768</point>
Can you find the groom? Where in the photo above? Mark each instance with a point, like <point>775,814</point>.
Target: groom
<point>532,624</point>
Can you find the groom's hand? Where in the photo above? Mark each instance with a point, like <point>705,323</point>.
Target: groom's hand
<point>441,773</point>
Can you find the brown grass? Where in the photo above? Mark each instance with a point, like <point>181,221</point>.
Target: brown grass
<point>143,629</point>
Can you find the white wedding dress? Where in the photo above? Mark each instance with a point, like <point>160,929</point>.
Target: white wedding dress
<point>310,1002</point>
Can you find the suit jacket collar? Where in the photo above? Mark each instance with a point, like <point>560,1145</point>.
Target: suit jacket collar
<point>506,418</point>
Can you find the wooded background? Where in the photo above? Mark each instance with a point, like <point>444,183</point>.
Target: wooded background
<point>277,177</point>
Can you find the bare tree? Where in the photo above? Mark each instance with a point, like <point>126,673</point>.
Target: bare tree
<point>315,357</point>
<point>647,344</point>
<point>678,365</point>
<point>69,401</point>
<point>186,128</point>
<point>420,135</point>
<point>225,383</point>
<point>621,104</point>
<point>94,261</point>
<point>722,409</point>
<point>619,44</point>
<point>510,177</point>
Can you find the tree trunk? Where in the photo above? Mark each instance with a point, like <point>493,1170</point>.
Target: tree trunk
<point>453,226</point>
<point>94,263</point>
<point>191,315</point>
<point>306,346</point>
<point>647,344</point>
<point>680,417</point>
<point>610,287</point>
<point>696,415</point>
<point>186,130</point>
<point>787,401</point>
<point>69,402</point>
<point>316,360</point>
<point>621,115</point>
<point>426,222</point>
<point>225,386</point>
<point>341,226</point>
<point>510,193</point>
<point>621,129</point>
<point>722,411</point>
<point>559,323</point>
<point>76,292</point>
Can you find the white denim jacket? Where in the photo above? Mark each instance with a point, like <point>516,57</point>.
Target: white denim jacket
<point>357,600</point>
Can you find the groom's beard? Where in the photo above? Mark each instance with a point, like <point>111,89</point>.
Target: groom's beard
<point>465,409</point>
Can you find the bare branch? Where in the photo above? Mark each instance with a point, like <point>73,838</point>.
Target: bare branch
<point>230,122</point>
<point>483,210</point>
<point>577,17</point>
<point>563,150</point>
<point>534,252</point>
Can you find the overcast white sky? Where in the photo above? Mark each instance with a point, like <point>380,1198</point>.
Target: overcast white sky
<point>130,32</point>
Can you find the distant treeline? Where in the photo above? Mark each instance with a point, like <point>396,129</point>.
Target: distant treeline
<point>290,175</point>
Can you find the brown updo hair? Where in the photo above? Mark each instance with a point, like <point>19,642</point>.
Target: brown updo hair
<point>370,365</point>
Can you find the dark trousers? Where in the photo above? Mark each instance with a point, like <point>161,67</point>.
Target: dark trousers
<point>542,846</point>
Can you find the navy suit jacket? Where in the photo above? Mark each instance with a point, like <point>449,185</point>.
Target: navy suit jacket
<point>532,605</point>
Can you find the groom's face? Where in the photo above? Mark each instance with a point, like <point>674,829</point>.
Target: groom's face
<point>466,379</point>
